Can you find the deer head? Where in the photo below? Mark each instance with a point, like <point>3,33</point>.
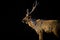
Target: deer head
<point>27,18</point>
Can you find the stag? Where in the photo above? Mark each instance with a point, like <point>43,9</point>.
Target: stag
<point>39,25</point>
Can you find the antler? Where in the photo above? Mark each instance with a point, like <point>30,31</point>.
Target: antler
<point>27,12</point>
<point>34,6</point>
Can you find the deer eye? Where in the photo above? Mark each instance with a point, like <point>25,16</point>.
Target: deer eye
<point>29,17</point>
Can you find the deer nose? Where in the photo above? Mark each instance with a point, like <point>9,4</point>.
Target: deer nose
<point>22,21</point>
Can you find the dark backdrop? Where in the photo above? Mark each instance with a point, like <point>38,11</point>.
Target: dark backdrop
<point>12,12</point>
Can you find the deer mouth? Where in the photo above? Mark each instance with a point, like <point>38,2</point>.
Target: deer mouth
<point>24,21</point>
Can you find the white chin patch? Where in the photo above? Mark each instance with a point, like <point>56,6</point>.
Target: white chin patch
<point>26,22</point>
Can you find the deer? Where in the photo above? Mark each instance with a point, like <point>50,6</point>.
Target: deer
<point>40,25</point>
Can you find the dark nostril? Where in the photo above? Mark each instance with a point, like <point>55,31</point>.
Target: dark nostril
<point>22,21</point>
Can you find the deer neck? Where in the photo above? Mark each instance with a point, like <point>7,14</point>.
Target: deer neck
<point>31,23</point>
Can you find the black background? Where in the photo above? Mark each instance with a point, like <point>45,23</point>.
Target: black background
<point>14,11</point>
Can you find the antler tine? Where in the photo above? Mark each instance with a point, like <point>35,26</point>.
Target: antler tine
<point>27,12</point>
<point>34,6</point>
